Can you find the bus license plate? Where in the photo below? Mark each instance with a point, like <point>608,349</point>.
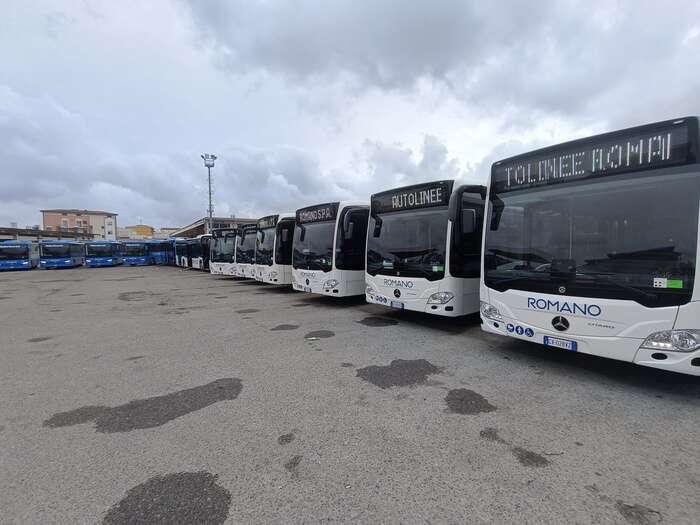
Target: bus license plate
<point>564,344</point>
<point>397,304</point>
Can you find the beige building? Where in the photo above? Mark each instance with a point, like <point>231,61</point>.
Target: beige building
<point>90,223</point>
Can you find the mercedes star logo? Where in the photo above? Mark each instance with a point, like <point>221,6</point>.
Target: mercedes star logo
<point>560,323</point>
<point>562,289</point>
<point>307,281</point>
<point>397,293</point>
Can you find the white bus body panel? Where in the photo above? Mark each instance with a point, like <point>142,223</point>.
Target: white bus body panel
<point>245,270</point>
<point>222,268</point>
<point>617,332</point>
<point>414,293</point>
<point>275,274</point>
<point>182,261</point>
<point>350,282</point>
<point>198,263</point>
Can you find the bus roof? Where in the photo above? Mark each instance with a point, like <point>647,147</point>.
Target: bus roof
<point>60,241</point>
<point>103,242</point>
<point>18,241</point>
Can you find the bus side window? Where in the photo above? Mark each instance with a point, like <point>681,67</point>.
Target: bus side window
<point>465,255</point>
<point>351,240</point>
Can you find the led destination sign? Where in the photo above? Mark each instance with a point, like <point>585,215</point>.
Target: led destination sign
<point>638,149</point>
<point>412,197</point>
<point>318,213</point>
<point>267,222</point>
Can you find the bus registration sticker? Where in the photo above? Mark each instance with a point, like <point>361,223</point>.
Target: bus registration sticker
<point>564,344</point>
<point>397,304</point>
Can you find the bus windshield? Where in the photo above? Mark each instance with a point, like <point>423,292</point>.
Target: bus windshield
<point>134,250</point>
<point>629,236</point>
<point>55,250</point>
<point>245,253</point>
<point>315,252</point>
<point>265,246</point>
<point>409,243</point>
<point>99,250</point>
<point>9,253</point>
<point>222,248</point>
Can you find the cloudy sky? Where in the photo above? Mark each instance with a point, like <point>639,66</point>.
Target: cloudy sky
<point>108,105</point>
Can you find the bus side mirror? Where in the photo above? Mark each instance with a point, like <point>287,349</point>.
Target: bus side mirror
<point>348,231</point>
<point>377,226</point>
<point>468,221</point>
<point>302,233</point>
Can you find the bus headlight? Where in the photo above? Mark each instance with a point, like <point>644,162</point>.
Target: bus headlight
<point>441,298</point>
<point>330,283</point>
<point>490,312</point>
<point>673,341</point>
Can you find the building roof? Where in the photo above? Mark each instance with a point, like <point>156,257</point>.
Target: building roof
<point>191,230</point>
<point>75,210</point>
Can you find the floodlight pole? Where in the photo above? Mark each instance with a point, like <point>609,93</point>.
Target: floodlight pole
<point>209,164</point>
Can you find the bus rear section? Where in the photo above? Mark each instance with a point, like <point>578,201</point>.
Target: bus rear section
<point>61,254</point>
<point>273,250</point>
<point>223,252</point>
<point>18,255</point>
<point>245,252</point>
<point>328,256</point>
<point>161,252</point>
<point>591,246</point>
<point>137,253</point>
<point>424,247</point>
<point>201,245</point>
<point>182,249</point>
<point>103,253</point>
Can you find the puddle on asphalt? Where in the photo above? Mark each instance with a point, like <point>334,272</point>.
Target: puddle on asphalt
<point>132,296</point>
<point>183,497</point>
<point>463,401</point>
<point>285,439</point>
<point>638,514</point>
<point>319,334</point>
<point>39,339</point>
<point>247,311</point>
<point>376,321</point>
<point>300,305</point>
<point>400,372</point>
<point>347,365</point>
<point>150,412</point>
<point>135,358</point>
<point>527,458</point>
<point>292,465</point>
<point>282,327</point>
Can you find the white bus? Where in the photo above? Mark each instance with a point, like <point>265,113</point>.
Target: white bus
<point>200,252</point>
<point>424,248</point>
<point>245,252</point>
<point>223,251</point>
<point>273,259</point>
<point>591,246</point>
<point>329,249</point>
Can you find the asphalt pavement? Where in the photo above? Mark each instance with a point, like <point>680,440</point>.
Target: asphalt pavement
<point>159,395</point>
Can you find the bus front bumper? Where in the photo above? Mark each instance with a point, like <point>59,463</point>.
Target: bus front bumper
<point>15,265</point>
<point>619,348</point>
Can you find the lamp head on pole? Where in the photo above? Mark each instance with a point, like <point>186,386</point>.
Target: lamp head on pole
<point>208,160</point>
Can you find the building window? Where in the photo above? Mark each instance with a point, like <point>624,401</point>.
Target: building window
<point>64,223</point>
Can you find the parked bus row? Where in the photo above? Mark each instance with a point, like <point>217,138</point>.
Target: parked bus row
<point>588,246</point>
<point>26,255</point>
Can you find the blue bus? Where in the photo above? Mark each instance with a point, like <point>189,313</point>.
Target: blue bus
<point>161,251</point>
<point>18,255</point>
<point>103,253</point>
<point>61,254</point>
<point>137,253</point>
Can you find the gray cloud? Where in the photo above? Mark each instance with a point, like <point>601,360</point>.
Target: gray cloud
<point>620,62</point>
